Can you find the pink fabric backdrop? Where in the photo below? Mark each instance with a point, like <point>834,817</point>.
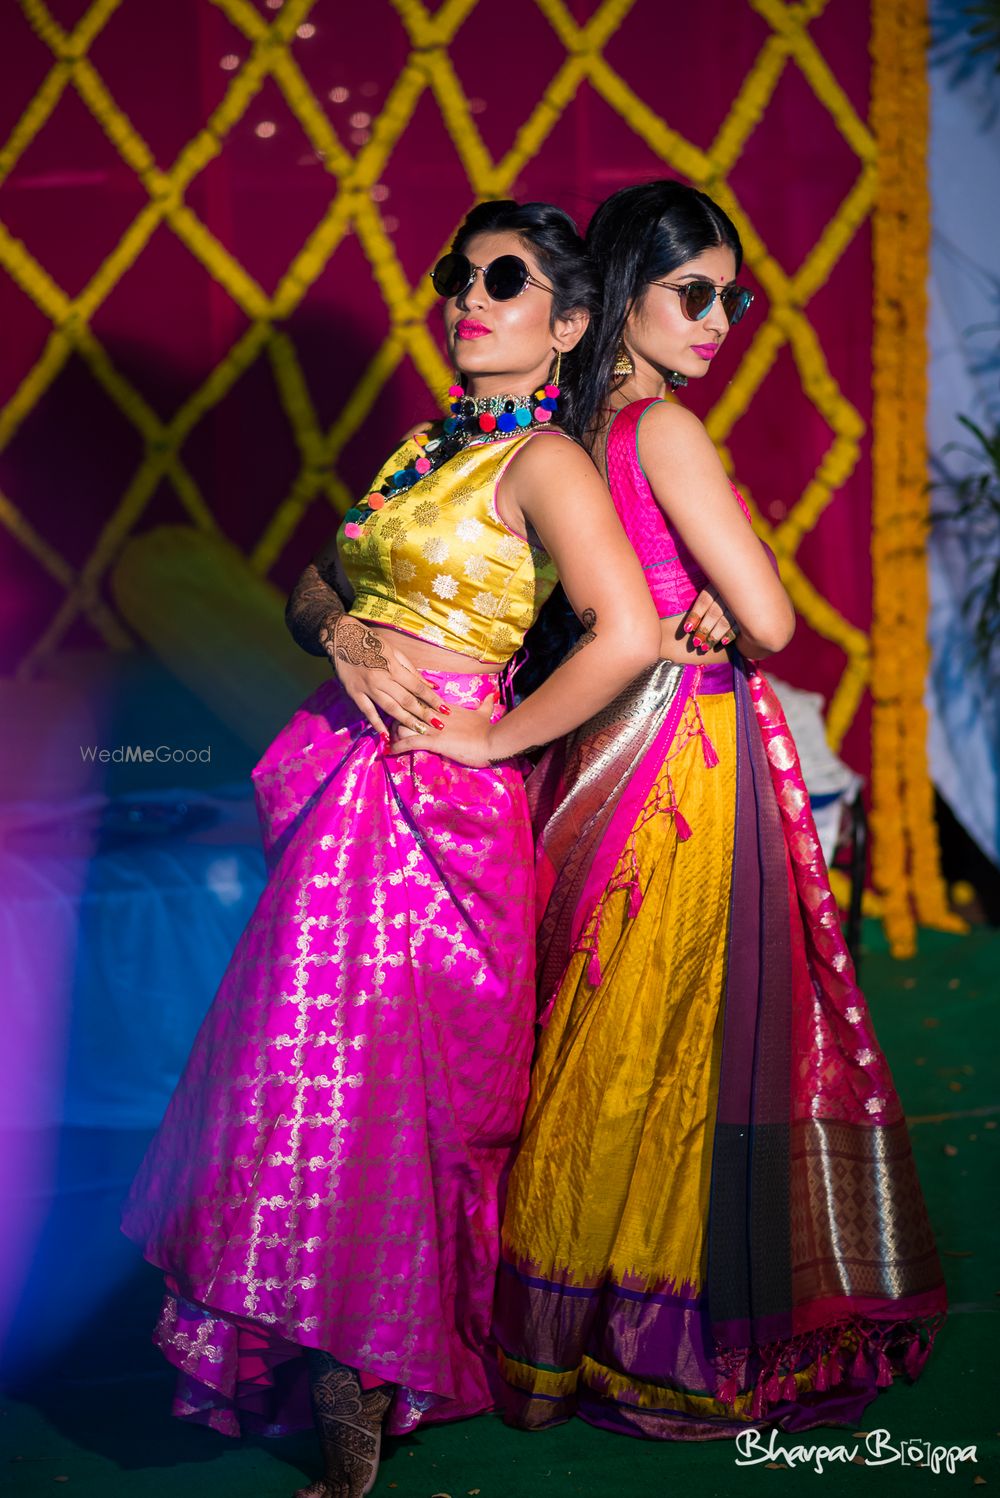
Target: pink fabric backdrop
<point>166,322</point>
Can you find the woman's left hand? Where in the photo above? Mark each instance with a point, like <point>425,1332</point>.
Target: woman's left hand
<point>465,738</point>
<point>709,622</point>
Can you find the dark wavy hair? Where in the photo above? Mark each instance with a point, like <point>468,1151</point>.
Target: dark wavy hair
<point>556,244</point>
<point>640,234</point>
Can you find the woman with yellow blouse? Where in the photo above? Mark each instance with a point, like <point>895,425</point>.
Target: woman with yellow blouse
<point>322,1193</point>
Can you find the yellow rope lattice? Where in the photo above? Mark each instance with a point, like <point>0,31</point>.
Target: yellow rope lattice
<point>429,68</point>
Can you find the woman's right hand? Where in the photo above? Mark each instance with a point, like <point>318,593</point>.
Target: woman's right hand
<point>375,675</point>
<point>465,739</point>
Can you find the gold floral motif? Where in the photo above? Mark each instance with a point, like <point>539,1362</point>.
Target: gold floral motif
<point>792,798</point>
<point>469,561</point>
<point>804,848</point>
<point>814,896</point>
<point>485,603</point>
<point>781,752</point>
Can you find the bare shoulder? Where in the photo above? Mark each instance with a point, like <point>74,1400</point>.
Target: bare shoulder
<point>671,429</point>
<point>677,454</point>
<point>549,454</point>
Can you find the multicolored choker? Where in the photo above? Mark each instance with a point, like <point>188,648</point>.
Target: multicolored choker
<point>493,416</point>
<point>484,418</point>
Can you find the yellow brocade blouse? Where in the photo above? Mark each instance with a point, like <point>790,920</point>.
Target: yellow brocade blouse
<point>437,562</point>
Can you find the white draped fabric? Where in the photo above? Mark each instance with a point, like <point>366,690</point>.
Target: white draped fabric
<point>964,294</point>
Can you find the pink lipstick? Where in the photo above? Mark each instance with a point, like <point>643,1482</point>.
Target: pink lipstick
<point>705,350</point>
<point>469,329</point>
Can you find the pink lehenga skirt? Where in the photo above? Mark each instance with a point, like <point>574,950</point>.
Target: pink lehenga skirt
<point>327,1172</point>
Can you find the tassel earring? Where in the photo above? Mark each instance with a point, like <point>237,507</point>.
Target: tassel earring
<point>623,366</point>
<point>547,396</point>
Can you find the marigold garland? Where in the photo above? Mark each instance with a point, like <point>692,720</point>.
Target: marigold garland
<point>905,858</point>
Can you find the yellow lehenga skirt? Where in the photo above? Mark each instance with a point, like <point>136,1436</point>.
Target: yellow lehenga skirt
<point>713,1220</point>
<point>612,1175</point>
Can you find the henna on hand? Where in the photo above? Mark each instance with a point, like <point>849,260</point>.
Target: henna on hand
<point>588,619</point>
<point>355,643</point>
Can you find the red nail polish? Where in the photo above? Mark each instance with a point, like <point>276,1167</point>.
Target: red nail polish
<point>725,639</point>
<point>444,708</point>
<point>689,626</point>
<point>437,723</point>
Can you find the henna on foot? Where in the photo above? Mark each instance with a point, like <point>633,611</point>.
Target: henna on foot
<point>349,1425</point>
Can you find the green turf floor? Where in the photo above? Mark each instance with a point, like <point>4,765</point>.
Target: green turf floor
<point>95,1419</point>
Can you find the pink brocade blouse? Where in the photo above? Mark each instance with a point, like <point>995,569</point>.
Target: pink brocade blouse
<point>672,574</point>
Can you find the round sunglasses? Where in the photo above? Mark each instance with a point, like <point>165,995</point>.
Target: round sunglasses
<point>504,278</point>
<point>698,298</point>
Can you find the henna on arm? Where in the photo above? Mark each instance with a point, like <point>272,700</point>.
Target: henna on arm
<point>314,605</point>
<point>588,619</point>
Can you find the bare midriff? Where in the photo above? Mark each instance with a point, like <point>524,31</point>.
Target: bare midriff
<point>426,657</point>
<point>674,646</point>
